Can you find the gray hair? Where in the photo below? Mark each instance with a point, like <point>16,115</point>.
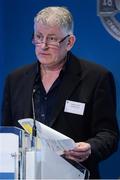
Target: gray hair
<point>55,15</point>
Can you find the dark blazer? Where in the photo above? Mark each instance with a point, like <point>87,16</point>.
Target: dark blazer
<point>83,82</point>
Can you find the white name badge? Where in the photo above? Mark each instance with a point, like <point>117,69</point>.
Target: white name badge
<point>74,107</point>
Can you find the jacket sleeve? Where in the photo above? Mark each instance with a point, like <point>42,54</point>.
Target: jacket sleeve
<point>104,127</point>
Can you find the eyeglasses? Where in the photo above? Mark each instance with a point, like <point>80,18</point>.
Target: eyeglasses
<point>50,40</point>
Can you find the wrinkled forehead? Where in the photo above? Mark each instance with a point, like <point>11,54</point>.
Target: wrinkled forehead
<point>40,27</point>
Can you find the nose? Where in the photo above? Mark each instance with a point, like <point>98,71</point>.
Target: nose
<point>44,45</point>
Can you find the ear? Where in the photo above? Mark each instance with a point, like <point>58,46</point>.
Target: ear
<point>70,42</point>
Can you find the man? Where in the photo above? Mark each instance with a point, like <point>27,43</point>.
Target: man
<point>75,97</point>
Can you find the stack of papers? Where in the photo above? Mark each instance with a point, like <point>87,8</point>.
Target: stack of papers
<point>49,137</point>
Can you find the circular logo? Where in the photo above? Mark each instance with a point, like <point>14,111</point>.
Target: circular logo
<point>108,11</point>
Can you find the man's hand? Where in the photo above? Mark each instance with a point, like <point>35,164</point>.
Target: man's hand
<point>80,153</point>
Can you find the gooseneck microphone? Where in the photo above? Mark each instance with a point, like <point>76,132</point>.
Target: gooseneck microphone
<point>34,128</point>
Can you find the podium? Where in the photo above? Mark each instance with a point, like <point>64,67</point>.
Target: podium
<point>18,160</point>
<point>12,147</point>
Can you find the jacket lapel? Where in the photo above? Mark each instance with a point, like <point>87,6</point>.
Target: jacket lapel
<point>71,79</point>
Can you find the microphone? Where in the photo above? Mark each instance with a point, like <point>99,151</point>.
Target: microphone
<point>34,128</point>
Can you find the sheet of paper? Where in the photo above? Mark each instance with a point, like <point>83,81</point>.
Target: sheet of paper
<point>51,138</point>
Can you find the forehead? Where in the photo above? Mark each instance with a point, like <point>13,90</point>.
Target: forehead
<point>46,29</point>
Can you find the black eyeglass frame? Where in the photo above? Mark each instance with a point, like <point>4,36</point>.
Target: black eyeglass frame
<point>48,43</point>
<point>63,39</point>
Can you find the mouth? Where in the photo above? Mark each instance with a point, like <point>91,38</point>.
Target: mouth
<point>44,54</point>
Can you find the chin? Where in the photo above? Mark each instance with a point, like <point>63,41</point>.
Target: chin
<point>43,60</point>
<point>45,63</point>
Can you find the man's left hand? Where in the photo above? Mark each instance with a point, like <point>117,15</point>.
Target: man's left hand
<point>80,153</point>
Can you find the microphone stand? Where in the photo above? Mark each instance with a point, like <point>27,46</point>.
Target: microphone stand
<point>34,128</point>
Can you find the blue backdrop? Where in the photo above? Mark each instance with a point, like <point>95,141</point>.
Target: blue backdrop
<point>93,43</point>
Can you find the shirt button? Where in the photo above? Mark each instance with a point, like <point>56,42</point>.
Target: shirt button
<point>45,98</point>
<point>42,115</point>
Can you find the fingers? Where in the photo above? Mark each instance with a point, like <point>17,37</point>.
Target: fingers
<point>75,158</point>
<point>79,157</point>
<point>82,146</point>
<point>80,153</point>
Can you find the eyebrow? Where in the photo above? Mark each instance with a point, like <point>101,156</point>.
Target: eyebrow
<point>48,34</point>
<point>42,34</point>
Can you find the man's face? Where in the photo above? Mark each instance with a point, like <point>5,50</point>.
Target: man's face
<point>47,47</point>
